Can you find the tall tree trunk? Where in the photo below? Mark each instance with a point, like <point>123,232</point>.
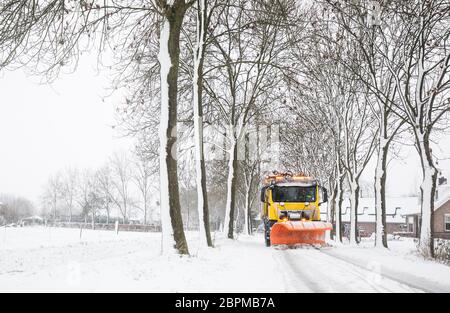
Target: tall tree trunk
<point>339,200</point>
<point>171,218</point>
<point>249,220</point>
<point>380,192</point>
<point>54,209</point>
<point>428,192</point>
<point>70,211</point>
<point>354,202</point>
<point>145,210</point>
<point>107,215</point>
<point>202,196</point>
<point>332,208</point>
<point>247,210</point>
<point>231,188</point>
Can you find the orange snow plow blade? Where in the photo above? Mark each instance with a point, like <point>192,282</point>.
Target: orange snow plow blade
<point>297,232</point>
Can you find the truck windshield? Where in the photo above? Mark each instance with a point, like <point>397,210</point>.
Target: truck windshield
<point>294,194</point>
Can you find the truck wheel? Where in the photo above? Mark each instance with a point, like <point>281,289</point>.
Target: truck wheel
<point>267,233</point>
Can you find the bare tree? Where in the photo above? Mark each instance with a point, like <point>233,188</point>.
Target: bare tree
<point>142,176</point>
<point>120,167</point>
<point>89,198</point>
<point>204,13</point>
<point>361,23</point>
<point>173,13</point>
<point>407,70</point>
<point>105,189</point>
<point>13,208</point>
<point>359,146</point>
<point>52,195</point>
<point>51,34</point>
<point>422,77</point>
<point>69,183</point>
<point>319,94</point>
<point>249,71</point>
<point>250,170</point>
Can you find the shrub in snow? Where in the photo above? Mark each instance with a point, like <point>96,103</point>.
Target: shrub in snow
<point>393,237</point>
<point>442,250</point>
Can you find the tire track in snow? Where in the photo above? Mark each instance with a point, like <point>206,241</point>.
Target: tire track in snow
<point>291,282</point>
<point>324,273</point>
<point>320,275</point>
<point>424,286</point>
<point>379,282</point>
<point>303,275</point>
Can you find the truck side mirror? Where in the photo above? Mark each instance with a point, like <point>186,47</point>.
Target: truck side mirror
<point>263,194</point>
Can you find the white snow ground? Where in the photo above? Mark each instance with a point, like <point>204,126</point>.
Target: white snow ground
<point>56,259</point>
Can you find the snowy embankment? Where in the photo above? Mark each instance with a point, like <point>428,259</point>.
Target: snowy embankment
<point>56,259</point>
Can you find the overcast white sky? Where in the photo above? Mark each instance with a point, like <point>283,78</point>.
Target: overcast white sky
<point>404,171</point>
<point>44,129</point>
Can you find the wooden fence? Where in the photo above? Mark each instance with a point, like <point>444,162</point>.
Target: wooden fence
<point>111,226</point>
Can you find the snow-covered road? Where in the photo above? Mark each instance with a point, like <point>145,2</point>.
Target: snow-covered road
<point>52,259</point>
<point>313,270</point>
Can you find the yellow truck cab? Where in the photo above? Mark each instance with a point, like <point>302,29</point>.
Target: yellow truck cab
<point>288,197</point>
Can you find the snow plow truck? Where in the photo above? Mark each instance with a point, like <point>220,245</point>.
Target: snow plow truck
<point>290,206</point>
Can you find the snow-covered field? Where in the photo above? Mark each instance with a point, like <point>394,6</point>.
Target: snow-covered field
<point>56,259</point>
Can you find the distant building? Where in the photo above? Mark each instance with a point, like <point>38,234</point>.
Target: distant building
<point>441,214</point>
<point>396,209</point>
<point>32,220</point>
<point>403,214</point>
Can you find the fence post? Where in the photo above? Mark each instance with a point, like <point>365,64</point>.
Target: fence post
<point>117,227</point>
